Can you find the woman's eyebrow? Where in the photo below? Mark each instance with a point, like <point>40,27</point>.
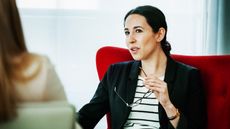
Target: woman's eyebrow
<point>135,27</point>
<point>126,29</point>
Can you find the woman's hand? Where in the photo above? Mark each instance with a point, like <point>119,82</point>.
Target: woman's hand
<point>158,87</point>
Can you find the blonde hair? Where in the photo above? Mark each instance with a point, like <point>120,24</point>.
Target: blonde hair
<point>14,58</point>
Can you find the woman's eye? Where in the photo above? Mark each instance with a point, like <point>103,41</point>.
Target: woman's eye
<point>126,32</point>
<point>139,30</point>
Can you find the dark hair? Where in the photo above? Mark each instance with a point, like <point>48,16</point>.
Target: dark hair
<point>156,19</point>
<point>11,44</point>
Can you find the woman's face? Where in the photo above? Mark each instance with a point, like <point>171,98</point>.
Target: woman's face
<point>140,39</point>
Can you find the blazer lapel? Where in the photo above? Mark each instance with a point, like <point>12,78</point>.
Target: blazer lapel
<point>169,78</point>
<point>170,73</point>
<point>130,89</point>
<point>132,82</point>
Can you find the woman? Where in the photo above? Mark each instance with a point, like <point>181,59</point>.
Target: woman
<point>24,76</point>
<point>154,91</point>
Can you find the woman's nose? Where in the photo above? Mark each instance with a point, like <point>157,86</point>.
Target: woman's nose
<point>131,39</point>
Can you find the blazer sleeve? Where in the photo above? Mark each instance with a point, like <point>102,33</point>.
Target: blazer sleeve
<point>90,114</point>
<point>194,116</point>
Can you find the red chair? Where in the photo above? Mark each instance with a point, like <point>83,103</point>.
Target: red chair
<point>215,72</point>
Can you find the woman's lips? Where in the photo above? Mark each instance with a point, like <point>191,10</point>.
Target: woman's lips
<point>134,50</point>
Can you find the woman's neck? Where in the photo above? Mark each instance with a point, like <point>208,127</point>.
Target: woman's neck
<point>155,65</point>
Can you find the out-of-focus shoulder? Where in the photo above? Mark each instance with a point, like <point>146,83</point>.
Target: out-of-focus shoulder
<point>41,58</point>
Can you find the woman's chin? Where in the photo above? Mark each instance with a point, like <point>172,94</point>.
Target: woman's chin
<point>135,57</point>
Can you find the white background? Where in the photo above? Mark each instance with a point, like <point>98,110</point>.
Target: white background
<point>70,32</point>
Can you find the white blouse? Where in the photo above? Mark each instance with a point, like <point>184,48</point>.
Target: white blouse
<point>46,86</point>
<point>145,114</point>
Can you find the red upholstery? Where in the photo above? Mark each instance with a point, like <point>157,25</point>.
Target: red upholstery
<point>215,72</point>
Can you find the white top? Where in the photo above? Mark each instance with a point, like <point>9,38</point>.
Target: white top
<point>46,86</point>
<point>145,114</point>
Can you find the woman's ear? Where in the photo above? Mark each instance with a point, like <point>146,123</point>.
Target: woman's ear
<point>160,34</point>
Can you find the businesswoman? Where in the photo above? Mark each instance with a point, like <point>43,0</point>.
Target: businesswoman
<point>153,91</point>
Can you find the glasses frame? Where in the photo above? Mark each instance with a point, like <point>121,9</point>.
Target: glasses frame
<point>137,102</point>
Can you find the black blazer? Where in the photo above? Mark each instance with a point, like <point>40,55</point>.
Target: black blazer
<point>184,87</point>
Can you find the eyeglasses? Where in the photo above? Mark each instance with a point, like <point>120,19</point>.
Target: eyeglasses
<point>138,101</point>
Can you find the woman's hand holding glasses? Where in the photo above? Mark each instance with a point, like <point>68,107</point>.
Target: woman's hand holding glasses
<point>159,88</point>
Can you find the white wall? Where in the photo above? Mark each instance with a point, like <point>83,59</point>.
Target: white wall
<point>71,34</point>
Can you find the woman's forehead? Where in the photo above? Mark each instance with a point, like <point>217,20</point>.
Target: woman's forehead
<point>134,21</point>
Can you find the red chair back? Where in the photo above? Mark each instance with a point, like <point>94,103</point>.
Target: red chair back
<point>215,72</point>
